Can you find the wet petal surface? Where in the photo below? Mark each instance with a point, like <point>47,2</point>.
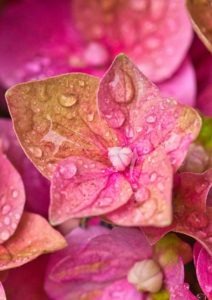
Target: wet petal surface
<point>12,199</point>
<point>33,237</point>
<point>82,187</point>
<point>151,202</point>
<point>134,108</point>
<point>61,120</point>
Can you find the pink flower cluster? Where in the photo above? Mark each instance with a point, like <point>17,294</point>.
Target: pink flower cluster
<point>112,149</point>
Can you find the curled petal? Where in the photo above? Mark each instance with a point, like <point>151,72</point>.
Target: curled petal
<point>201,14</point>
<point>151,202</point>
<point>204,271</point>
<point>82,187</point>
<point>61,120</point>
<point>134,108</point>
<point>192,210</point>
<point>32,179</point>
<point>12,198</point>
<point>33,237</point>
<point>104,256</point>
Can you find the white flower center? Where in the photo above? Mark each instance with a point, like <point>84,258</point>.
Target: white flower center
<point>120,157</point>
<point>146,275</point>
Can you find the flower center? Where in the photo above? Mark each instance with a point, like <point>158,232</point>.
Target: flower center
<point>146,276</point>
<point>120,157</point>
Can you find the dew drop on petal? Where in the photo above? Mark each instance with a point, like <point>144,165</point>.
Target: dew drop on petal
<point>14,193</point>
<point>4,235</point>
<point>6,209</point>
<point>67,100</point>
<point>36,151</point>
<point>142,195</point>
<point>68,171</point>
<point>7,221</point>
<point>151,119</point>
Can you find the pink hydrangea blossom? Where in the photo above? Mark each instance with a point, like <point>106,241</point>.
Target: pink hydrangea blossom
<point>100,264</point>
<point>60,37</point>
<point>113,151</point>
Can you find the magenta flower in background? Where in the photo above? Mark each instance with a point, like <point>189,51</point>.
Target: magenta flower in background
<point>117,264</point>
<point>66,36</point>
<point>113,150</point>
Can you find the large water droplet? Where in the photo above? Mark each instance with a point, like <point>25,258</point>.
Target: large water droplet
<point>14,193</point>
<point>142,194</point>
<point>151,119</point>
<point>6,209</point>
<point>67,100</point>
<point>4,235</point>
<point>7,221</point>
<point>68,171</point>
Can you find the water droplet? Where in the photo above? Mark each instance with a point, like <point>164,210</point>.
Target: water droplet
<point>153,177</point>
<point>129,132</point>
<point>67,100</point>
<point>68,171</point>
<point>151,119</point>
<point>81,83</point>
<point>17,216</point>
<point>6,220</point>
<point>14,193</point>
<point>4,235</point>
<point>36,151</point>
<point>6,209</point>
<point>90,117</point>
<point>142,194</point>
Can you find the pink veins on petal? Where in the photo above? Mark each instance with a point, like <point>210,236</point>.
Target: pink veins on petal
<point>152,131</point>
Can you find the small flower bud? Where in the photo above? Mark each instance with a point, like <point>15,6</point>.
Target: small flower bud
<point>146,276</point>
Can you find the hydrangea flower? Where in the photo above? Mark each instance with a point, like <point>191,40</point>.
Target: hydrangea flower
<point>113,148</point>
<point>117,264</point>
<point>23,235</point>
<point>192,209</point>
<point>56,39</point>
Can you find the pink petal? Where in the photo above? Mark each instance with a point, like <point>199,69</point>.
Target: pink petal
<point>151,202</point>
<point>33,237</point>
<point>12,198</point>
<point>114,251</point>
<point>192,213</point>
<point>32,179</point>
<point>50,45</point>
<point>148,31</point>
<point>196,251</point>
<point>33,274</point>
<point>182,85</point>
<point>133,106</point>
<point>120,290</point>
<point>181,292</point>
<point>204,272</point>
<point>2,293</point>
<point>82,187</point>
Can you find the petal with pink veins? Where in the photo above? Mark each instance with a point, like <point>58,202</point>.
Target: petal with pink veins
<point>156,34</point>
<point>134,108</point>
<point>182,85</point>
<point>32,179</point>
<point>204,271</point>
<point>12,199</point>
<point>82,187</point>
<point>85,269</point>
<point>61,120</point>
<point>192,210</point>
<point>151,202</point>
<point>33,237</point>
